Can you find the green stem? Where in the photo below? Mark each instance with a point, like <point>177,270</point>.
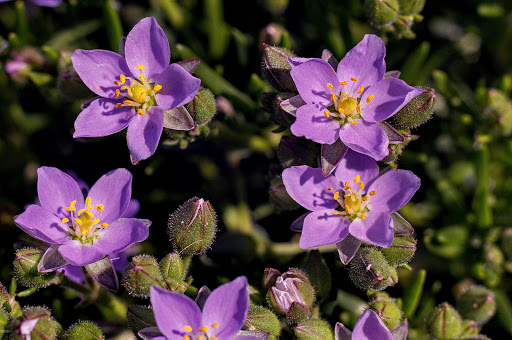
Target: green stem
<point>113,24</point>
<point>481,204</point>
<point>413,293</point>
<point>21,24</point>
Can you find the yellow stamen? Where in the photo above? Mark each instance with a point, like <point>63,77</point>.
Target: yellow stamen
<point>343,82</point>
<point>358,108</point>
<point>142,96</point>
<point>117,93</point>
<point>373,192</point>
<point>122,78</point>
<point>141,112</point>
<point>347,209</point>
<point>347,185</point>
<point>333,97</point>
<point>157,88</point>
<point>186,337</point>
<point>71,206</point>
<point>326,113</point>
<point>203,329</point>
<point>369,99</point>
<point>80,212</point>
<point>128,102</point>
<point>188,328</point>
<point>142,78</point>
<point>340,110</point>
<point>117,83</point>
<point>366,198</point>
<point>90,214</point>
<point>100,207</point>
<point>363,216</point>
<point>353,79</point>
<point>133,83</point>
<point>336,195</point>
<point>361,185</point>
<point>360,90</point>
<point>140,67</point>
<point>118,105</point>
<point>335,212</point>
<point>104,225</point>
<point>96,221</point>
<point>357,179</point>
<point>78,222</point>
<point>215,325</point>
<point>65,220</point>
<point>88,201</point>
<point>354,123</point>
<point>329,85</point>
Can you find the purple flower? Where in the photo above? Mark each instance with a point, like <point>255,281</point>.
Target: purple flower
<point>349,103</point>
<point>355,200</point>
<point>44,3</point>
<point>368,327</point>
<point>134,89</point>
<point>82,231</point>
<point>223,314</point>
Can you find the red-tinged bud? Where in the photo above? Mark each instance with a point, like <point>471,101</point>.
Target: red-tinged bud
<point>478,303</point>
<point>262,319</point>
<point>313,329</point>
<point>25,268</point>
<point>418,111</point>
<point>36,323</point>
<point>381,12</point>
<point>276,69</point>
<point>141,274</point>
<point>370,270</point>
<point>444,322</point>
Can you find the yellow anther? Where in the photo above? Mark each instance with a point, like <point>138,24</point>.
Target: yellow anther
<point>141,112</point>
<point>96,221</point>
<point>335,212</point>
<point>142,96</point>
<point>373,192</point>
<point>366,198</point>
<point>353,79</point>
<point>215,325</point>
<point>347,186</point>
<point>361,185</point>
<point>71,206</point>
<point>326,113</point>
<point>357,179</point>
<point>340,110</point>
<point>157,88</point>
<point>100,207</point>
<point>128,102</point>
<point>78,222</point>
<point>65,220</point>
<point>118,92</point>
<point>369,99</point>
<point>133,83</point>
<point>336,195</point>
<point>88,201</point>
<point>333,97</point>
<point>347,195</point>
<point>118,105</point>
<point>360,90</point>
<point>343,82</point>
<point>330,189</point>
<point>347,209</point>
<point>329,85</point>
<point>140,67</point>
<point>186,337</point>
<point>142,78</point>
<point>104,225</point>
<point>363,216</point>
<point>354,123</point>
<point>117,83</point>
<point>188,328</point>
<point>122,78</point>
<point>358,108</point>
<point>90,214</point>
<point>80,212</point>
<point>203,329</point>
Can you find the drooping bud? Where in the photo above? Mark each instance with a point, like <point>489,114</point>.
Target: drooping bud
<point>401,251</point>
<point>478,303</point>
<point>172,266</point>
<point>381,12</point>
<point>279,197</point>
<point>417,111</point>
<point>25,268</point>
<point>140,317</point>
<point>36,323</point>
<point>370,270</point>
<point>262,319</point>
<point>318,273</point>
<point>84,330</point>
<point>192,227</point>
<point>202,107</point>
<point>411,6</point>
<point>444,322</point>
<point>276,69</point>
<point>469,327</point>
<point>388,311</point>
<point>313,329</point>
<point>141,274</point>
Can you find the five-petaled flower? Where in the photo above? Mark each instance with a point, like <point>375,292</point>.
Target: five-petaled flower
<point>134,90</point>
<point>354,200</point>
<point>82,230</point>
<point>223,314</point>
<point>349,103</point>
<point>369,326</point>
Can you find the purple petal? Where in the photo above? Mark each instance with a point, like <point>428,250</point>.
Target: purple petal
<point>370,327</point>
<point>376,229</point>
<point>78,254</point>
<point>99,69</point>
<point>312,124</point>
<point>56,190</point>
<point>393,190</point>
<point>366,138</point>
<point>365,62</point>
<point>189,65</point>
<point>47,3</point>
<point>390,95</point>
<point>355,164</point>
<point>147,45</point>
<point>347,248</point>
<point>74,273</point>
<point>296,61</point>
<point>178,87</point>
<point>308,187</point>
<point>132,210</point>
<point>101,118</point>
<point>311,79</point>
<point>341,332</point>
<point>151,333</point>
<point>144,133</point>
<point>173,311</point>
<point>227,306</point>
<point>322,227</point>
<point>113,190</point>
<point>120,235</point>
<point>42,224</point>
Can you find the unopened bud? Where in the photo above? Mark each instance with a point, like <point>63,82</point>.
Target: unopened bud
<point>84,330</point>
<point>140,317</point>
<point>202,107</point>
<point>262,319</point>
<point>36,323</point>
<point>271,34</point>
<point>318,273</point>
<point>172,266</point>
<point>25,268</point>
<point>478,303</point>
<point>469,328</point>
<point>192,227</point>
<point>477,337</point>
<point>141,274</point>
<point>411,6</point>
<point>279,197</point>
<point>401,251</point>
<point>276,69</point>
<point>269,277</point>
<point>388,311</point>
<point>443,322</point>
<point>370,270</point>
<point>381,12</point>
<point>417,111</point>
<point>313,329</point>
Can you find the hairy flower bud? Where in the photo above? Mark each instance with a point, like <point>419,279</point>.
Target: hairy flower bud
<point>411,6</point>
<point>202,107</point>
<point>192,227</point>
<point>444,322</point>
<point>381,12</point>
<point>262,319</point>
<point>3,320</point>
<point>172,266</point>
<point>370,270</point>
<point>313,329</point>
<point>469,328</point>
<point>388,311</point>
<point>417,111</point>
<point>279,197</point>
<point>276,69</point>
<point>25,268</point>
<point>318,273</point>
<point>401,251</point>
<point>84,330</point>
<point>478,303</point>
<point>36,323</point>
<point>141,274</point>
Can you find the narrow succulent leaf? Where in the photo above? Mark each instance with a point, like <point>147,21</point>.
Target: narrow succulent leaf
<point>412,294</point>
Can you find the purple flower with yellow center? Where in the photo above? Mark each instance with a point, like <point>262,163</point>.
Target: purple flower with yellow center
<point>222,316</point>
<point>81,230</point>
<point>369,326</point>
<point>134,90</point>
<point>354,200</point>
<point>349,104</point>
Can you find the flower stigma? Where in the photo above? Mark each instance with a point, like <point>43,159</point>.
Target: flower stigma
<point>84,224</point>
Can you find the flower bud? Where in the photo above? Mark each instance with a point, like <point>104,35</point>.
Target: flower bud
<point>25,268</point>
<point>381,12</point>
<point>276,69</point>
<point>140,317</point>
<point>318,273</point>
<point>417,111</point>
<point>388,311</point>
<point>370,270</point>
<point>477,337</point>
<point>401,251</point>
<point>172,266</point>
<point>262,319</point>
<point>84,330</point>
<point>411,6</point>
<point>469,328</point>
<point>202,107</point>
<point>141,274</point>
<point>313,329</point>
<point>176,285</point>
<point>279,197</point>
<point>443,322</point>
<point>269,277</point>
<point>478,303</point>
<point>192,227</point>
<point>36,323</point>
<point>271,34</point>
